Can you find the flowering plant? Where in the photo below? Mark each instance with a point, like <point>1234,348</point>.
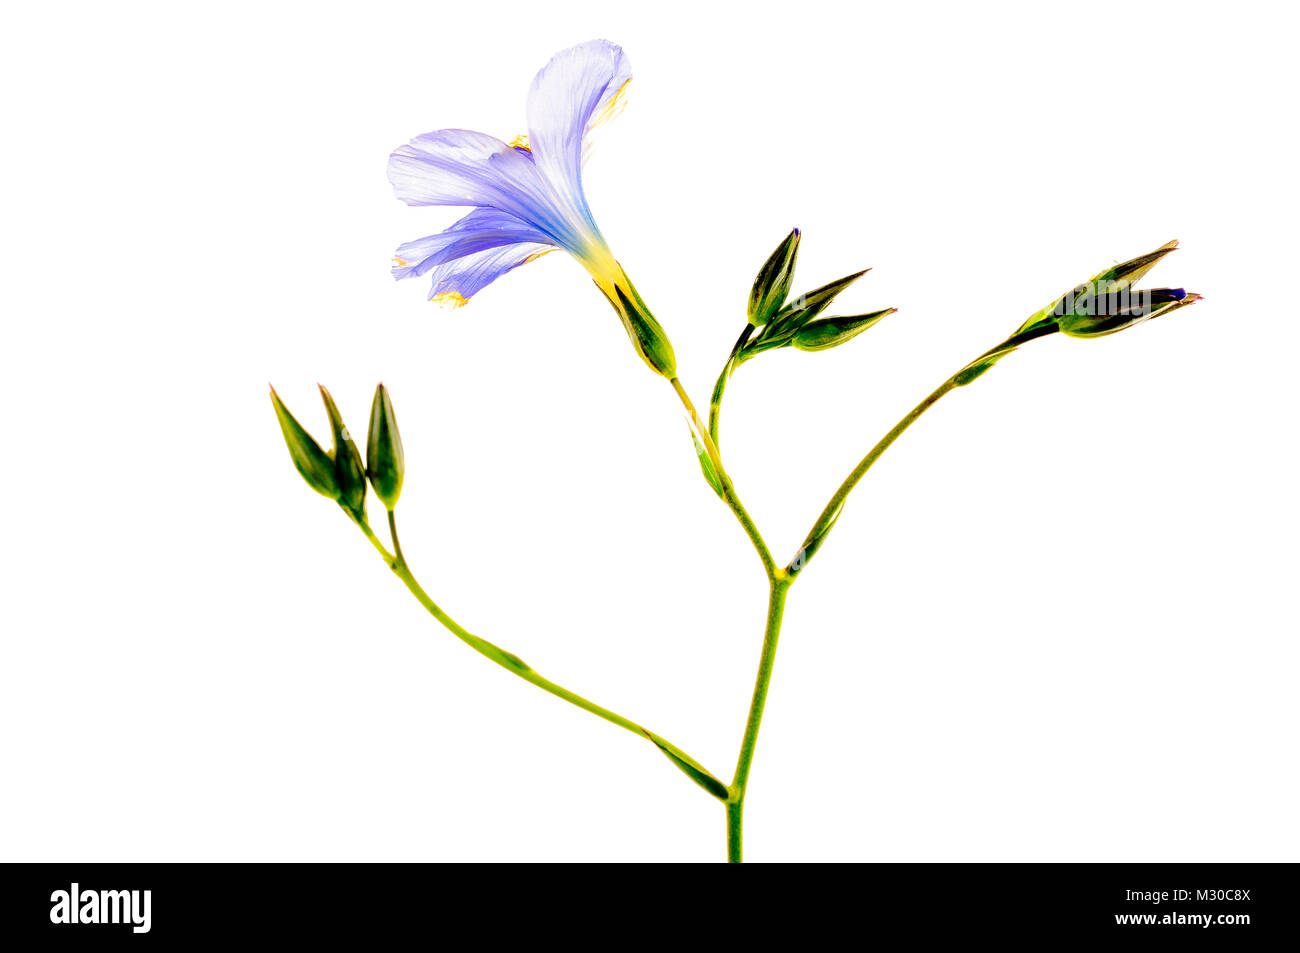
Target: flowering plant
<point>526,199</point>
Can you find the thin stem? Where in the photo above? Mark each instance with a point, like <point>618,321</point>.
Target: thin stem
<point>767,660</point>
<point>392,532</point>
<point>826,521</point>
<point>512,663</point>
<point>374,540</point>
<point>729,494</point>
<point>817,535</point>
<point>720,388</point>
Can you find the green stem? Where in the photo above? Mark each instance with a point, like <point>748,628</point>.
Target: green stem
<point>817,535</point>
<point>729,495</point>
<point>782,579</point>
<point>735,832</point>
<point>720,388</point>
<point>512,663</point>
<point>779,582</point>
<point>780,585</point>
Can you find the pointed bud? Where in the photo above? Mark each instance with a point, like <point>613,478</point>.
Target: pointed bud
<point>1104,318</point>
<point>1080,303</point>
<point>1124,275</point>
<point>826,333</point>
<point>385,463</point>
<point>312,462</point>
<point>349,471</point>
<point>796,314</point>
<point>807,306</point>
<point>773,282</point>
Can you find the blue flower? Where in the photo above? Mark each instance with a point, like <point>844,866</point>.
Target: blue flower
<point>527,195</point>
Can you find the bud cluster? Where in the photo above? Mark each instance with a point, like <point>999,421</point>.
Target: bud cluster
<point>777,321</point>
<point>1109,302</point>
<point>339,473</point>
<point>1104,304</point>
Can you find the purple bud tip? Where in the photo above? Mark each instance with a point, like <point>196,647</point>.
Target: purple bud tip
<point>1178,294</point>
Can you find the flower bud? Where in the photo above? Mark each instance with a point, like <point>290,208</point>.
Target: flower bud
<point>349,471</point>
<point>1107,303</point>
<point>1101,316</point>
<point>1125,274</point>
<point>773,282</point>
<point>798,314</point>
<point>826,333</point>
<point>805,307</point>
<point>385,462</point>
<point>315,465</point>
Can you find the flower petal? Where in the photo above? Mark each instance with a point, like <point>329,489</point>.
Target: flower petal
<point>480,230</point>
<point>460,167</point>
<point>568,97</point>
<point>455,282</point>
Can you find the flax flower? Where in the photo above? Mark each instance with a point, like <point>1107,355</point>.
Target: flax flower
<point>527,196</point>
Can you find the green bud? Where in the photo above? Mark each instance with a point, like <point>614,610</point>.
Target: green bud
<point>1125,274</point>
<point>828,332</point>
<point>1100,319</point>
<point>796,314</point>
<point>349,471</point>
<point>315,465</point>
<point>773,282</point>
<point>1114,281</point>
<point>804,308</point>
<point>647,335</point>
<point>815,302</point>
<point>385,463</point>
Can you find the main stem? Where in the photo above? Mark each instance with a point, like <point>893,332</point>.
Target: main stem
<point>780,585</point>
<point>780,580</point>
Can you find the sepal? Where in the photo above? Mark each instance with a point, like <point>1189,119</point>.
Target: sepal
<point>646,333</point>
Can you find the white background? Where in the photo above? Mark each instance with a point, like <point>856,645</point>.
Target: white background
<point>1056,622</point>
